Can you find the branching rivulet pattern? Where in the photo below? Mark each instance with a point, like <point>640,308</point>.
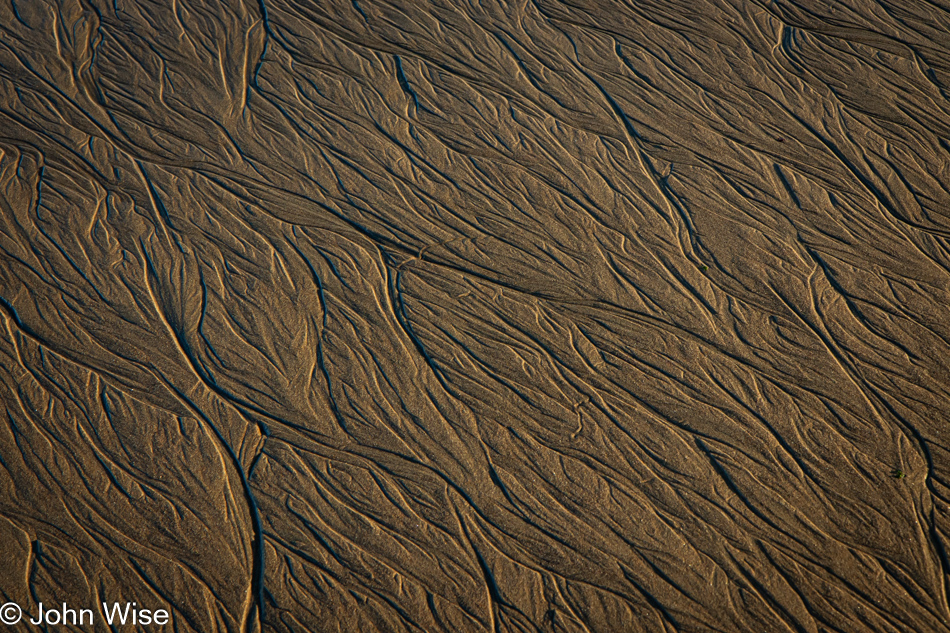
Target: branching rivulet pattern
<point>477,316</point>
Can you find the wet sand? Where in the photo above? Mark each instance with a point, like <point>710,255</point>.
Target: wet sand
<point>532,316</point>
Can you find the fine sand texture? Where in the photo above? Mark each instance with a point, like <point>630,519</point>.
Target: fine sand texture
<point>540,316</point>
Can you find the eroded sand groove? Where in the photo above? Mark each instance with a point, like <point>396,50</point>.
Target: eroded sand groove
<point>477,316</point>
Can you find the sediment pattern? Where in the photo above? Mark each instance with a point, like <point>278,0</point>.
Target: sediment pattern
<point>477,316</point>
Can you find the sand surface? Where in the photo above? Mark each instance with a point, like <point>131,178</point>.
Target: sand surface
<point>477,316</point>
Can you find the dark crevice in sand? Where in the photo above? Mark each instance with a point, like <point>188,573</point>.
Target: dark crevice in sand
<point>254,613</point>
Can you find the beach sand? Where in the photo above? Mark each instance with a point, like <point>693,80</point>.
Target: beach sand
<point>537,316</point>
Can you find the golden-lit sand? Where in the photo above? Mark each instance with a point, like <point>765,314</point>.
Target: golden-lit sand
<point>492,316</point>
